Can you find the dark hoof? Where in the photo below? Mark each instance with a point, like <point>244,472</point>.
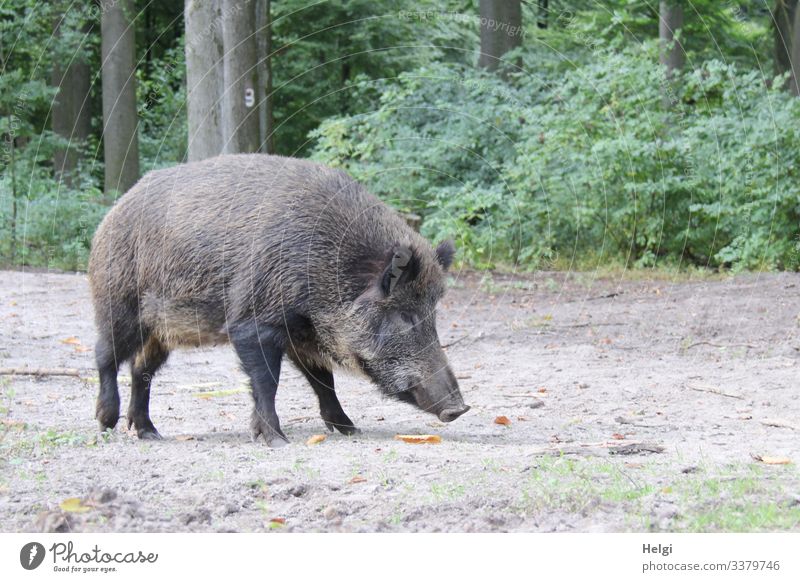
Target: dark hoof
<point>272,434</point>
<point>346,428</point>
<point>149,434</point>
<point>107,415</point>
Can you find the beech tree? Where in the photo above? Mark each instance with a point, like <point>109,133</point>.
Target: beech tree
<point>240,74</point>
<point>501,30</point>
<point>71,112</point>
<point>670,21</point>
<point>204,78</point>
<point>120,120</point>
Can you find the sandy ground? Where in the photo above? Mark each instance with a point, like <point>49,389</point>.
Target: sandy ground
<point>695,379</point>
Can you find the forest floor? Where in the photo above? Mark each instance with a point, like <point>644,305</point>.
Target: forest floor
<point>635,403</point>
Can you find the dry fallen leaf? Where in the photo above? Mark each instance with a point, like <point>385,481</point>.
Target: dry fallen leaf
<point>278,520</point>
<point>357,479</point>
<point>502,420</point>
<point>184,437</point>
<point>773,460</point>
<point>542,390</point>
<point>74,505</point>
<point>617,436</point>
<point>82,349</point>
<point>418,439</point>
<point>315,439</point>
<point>72,340</point>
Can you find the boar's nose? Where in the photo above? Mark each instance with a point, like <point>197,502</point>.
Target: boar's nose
<point>450,414</point>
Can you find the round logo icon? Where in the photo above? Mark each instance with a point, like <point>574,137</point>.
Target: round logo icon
<point>31,555</point>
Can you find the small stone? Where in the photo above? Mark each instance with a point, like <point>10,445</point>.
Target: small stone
<point>536,403</point>
<point>330,513</point>
<point>298,490</point>
<point>229,509</point>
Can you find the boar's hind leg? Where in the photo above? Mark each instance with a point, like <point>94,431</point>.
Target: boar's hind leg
<point>330,409</point>
<point>260,349</point>
<point>145,365</point>
<point>112,349</point>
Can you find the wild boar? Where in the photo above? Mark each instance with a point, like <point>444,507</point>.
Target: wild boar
<point>282,258</point>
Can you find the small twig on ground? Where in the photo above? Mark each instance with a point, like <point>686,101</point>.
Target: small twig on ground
<point>713,390</point>
<point>713,345</point>
<point>609,296</point>
<point>635,449</point>
<point>589,324</point>
<point>451,344</point>
<point>40,372</point>
<point>300,419</point>
<point>779,423</point>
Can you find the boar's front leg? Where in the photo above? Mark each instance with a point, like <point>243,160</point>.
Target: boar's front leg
<point>330,409</point>
<point>260,350</point>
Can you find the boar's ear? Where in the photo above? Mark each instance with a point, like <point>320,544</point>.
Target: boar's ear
<point>402,267</point>
<point>445,253</point>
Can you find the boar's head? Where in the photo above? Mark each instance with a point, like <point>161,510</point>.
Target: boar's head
<point>396,344</point>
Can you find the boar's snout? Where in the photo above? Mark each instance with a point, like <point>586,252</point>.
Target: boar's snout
<point>450,414</point>
<point>439,395</point>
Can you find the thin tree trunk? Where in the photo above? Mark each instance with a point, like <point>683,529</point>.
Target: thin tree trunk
<point>239,111</point>
<point>71,111</point>
<point>794,85</point>
<point>501,30</point>
<point>783,18</point>
<point>669,23</point>
<point>204,78</point>
<point>264,35</point>
<point>120,120</point>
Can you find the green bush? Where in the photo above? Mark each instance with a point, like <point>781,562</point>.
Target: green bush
<point>608,160</point>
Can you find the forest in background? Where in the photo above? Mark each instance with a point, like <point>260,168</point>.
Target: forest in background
<point>537,134</point>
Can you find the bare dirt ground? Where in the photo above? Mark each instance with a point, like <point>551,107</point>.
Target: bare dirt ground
<point>696,380</point>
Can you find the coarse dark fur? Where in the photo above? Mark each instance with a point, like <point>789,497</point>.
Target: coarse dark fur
<point>281,257</point>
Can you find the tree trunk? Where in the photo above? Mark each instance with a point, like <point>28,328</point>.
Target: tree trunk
<point>120,141</point>
<point>266,120</point>
<point>71,112</point>
<point>239,111</point>
<point>669,23</point>
<point>204,78</point>
<point>794,85</point>
<point>542,12</point>
<point>501,30</point>
<point>782,19</point>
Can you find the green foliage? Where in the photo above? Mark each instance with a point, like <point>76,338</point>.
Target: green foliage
<point>588,153</point>
<point>322,49</point>
<point>162,110</point>
<point>609,160</point>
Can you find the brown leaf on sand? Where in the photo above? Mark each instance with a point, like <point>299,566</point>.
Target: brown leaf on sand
<point>618,437</point>
<point>184,437</point>
<point>278,520</point>
<point>82,349</point>
<point>773,460</point>
<point>419,439</point>
<point>542,390</point>
<point>502,420</point>
<point>358,479</point>
<point>316,439</point>
<point>72,340</point>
